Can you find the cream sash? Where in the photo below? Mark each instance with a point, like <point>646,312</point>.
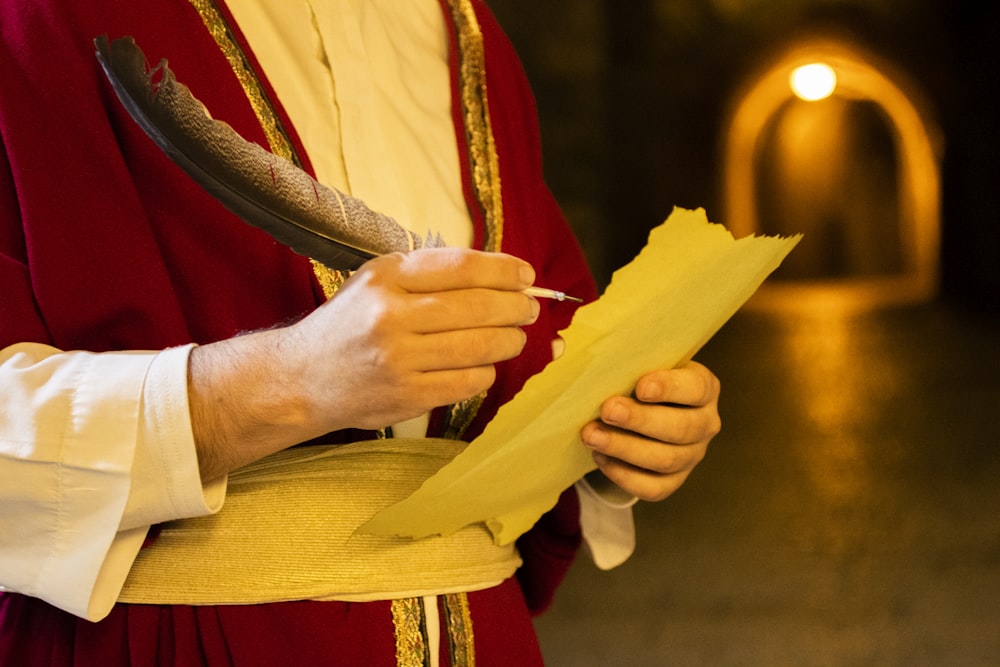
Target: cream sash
<point>286,532</point>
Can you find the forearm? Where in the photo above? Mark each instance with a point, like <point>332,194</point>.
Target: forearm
<point>245,401</point>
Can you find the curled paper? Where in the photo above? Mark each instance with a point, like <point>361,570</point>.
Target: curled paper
<point>658,311</point>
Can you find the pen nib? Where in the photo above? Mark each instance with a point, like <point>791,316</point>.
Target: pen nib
<point>546,293</point>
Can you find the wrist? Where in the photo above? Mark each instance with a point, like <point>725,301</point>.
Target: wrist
<point>245,402</point>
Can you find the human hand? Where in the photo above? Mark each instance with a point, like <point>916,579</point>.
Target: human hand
<point>410,332</point>
<point>649,444</point>
<point>405,334</point>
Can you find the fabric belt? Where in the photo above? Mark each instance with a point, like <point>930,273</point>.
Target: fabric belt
<point>286,532</point>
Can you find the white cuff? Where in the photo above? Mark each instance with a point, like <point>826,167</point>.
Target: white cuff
<point>94,448</point>
<point>166,481</point>
<point>67,441</point>
<point>606,520</point>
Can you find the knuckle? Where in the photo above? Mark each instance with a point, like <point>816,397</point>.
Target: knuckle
<point>392,360</point>
<point>671,461</point>
<point>513,341</point>
<point>381,319</point>
<point>698,427</point>
<point>706,390</point>
<point>382,268</point>
<point>646,489</point>
<point>461,261</point>
<point>493,345</point>
<point>685,428</point>
<point>711,388</point>
<point>518,340</point>
<point>477,347</point>
<point>473,381</point>
<point>664,487</point>
<point>389,366</point>
<point>667,460</point>
<point>715,425</point>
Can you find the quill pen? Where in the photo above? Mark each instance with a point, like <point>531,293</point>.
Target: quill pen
<point>260,187</point>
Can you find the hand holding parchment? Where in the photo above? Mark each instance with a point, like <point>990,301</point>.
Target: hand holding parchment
<point>649,444</point>
<point>659,309</point>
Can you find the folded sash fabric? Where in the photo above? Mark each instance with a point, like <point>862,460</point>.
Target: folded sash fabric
<point>286,532</point>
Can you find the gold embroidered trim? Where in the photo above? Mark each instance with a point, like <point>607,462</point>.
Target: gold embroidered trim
<point>329,279</point>
<point>410,630</point>
<point>458,616</point>
<point>277,138</point>
<point>410,625</point>
<point>479,130</point>
<point>460,416</point>
<point>484,162</point>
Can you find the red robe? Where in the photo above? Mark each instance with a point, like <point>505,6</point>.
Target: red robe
<point>106,245</point>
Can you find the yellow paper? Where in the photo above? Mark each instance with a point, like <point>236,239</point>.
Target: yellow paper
<point>657,312</point>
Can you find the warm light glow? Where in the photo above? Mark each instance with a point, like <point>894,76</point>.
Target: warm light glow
<point>813,82</point>
<point>863,76</point>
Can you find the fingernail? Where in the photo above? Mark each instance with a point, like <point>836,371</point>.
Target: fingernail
<point>649,391</point>
<point>616,413</point>
<point>527,274</point>
<point>594,436</point>
<point>535,309</point>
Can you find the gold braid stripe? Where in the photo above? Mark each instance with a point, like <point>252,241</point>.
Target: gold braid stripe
<point>479,131</point>
<point>484,161</point>
<point>458,616</point>
<point>411,627</point>
<point>278,140</point>
<point>410,624</point>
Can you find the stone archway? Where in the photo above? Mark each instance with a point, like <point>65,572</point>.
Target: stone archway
<point>862,77</point>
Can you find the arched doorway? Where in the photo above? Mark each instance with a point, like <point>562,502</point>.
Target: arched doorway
<point>858,173</point>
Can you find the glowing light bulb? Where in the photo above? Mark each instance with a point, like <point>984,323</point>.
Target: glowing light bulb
<point>812,82</point>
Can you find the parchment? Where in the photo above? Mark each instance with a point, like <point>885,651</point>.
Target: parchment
<point>658,311</point>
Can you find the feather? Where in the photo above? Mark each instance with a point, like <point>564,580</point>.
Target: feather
<point>263,189</point>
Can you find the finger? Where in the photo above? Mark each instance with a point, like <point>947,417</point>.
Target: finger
<point>470,308</point>
<point>676,424</point>
<point>422,392</point>
<point>641,483</point>
<point>643,453</point>
<point>442,269</point>
<point>447,387</point>
<point>467,348</point>
<point>691,384</point>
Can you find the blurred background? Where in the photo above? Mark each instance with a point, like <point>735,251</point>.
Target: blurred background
<point>849,513</point>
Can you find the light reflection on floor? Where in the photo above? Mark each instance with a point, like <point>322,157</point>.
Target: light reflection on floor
<point>849,514</point>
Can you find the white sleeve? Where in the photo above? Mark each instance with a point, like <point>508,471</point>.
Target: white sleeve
<point>606,520</point>
<point>75,432</point>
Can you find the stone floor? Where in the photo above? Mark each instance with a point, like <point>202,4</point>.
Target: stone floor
<point>849,514</point>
